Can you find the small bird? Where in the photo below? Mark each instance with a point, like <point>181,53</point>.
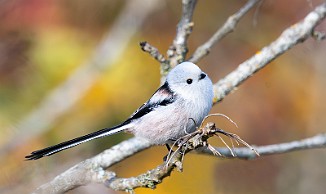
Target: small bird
<point>175,109</point>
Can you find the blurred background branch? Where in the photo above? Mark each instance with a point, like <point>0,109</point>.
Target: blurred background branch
<point>63,97</point>
<point>228,27</point>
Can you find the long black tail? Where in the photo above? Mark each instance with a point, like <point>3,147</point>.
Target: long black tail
<point>74,142</point>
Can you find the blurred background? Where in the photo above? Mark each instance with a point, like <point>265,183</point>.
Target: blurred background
<point>68,68</point>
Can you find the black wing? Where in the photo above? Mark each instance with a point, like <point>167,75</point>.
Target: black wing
<point>162,97</point>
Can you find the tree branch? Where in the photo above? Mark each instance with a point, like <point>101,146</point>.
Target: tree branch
<point>290,37</point>
<point>93,168</point>
<point>153,51</point>
<point>155,176</point>
<point>178,50</point>
<point>315,142</point>
<point>227,28</point>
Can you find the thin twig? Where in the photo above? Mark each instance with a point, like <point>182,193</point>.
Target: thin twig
<point>153,51</point>
<point>237,139</point>
<point>227,144</point>
<point>315,142</point>
<point>199,138</point>
<point>227,28</point>
<point>221,115</point>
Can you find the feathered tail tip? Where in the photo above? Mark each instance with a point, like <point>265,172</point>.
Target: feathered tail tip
<point>74,142</point>
<point>34,156</point>
<point>54,149</point>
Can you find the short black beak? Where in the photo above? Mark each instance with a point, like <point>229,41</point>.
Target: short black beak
<point>202,76</point>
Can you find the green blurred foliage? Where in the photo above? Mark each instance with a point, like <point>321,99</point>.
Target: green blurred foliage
<point>43,42</point>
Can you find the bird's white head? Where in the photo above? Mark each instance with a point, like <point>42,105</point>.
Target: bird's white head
<point>189,81</point>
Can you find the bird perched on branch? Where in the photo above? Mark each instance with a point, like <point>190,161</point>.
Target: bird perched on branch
<point>175,109</point>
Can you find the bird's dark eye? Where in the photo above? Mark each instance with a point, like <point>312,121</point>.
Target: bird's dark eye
<point>189,81</point>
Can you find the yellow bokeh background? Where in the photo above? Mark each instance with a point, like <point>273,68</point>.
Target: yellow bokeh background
<point>43,43</point>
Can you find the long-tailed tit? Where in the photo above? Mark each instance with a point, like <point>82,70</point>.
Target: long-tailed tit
<point>176,108</point>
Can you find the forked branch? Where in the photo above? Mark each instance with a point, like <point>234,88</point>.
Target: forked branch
<point>227,28</point>
<point>290,37</point>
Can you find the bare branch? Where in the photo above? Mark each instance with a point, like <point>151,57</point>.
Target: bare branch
<point>155,176</point>
<point>146,47</point>
<point>92,170</point>
<point>227,28</point>
<point>178,50</point>
<point>315,142</point>
<point>198,141</point>
<point>290,37</point>
<point>184,145</point>
<point>148,179</point>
